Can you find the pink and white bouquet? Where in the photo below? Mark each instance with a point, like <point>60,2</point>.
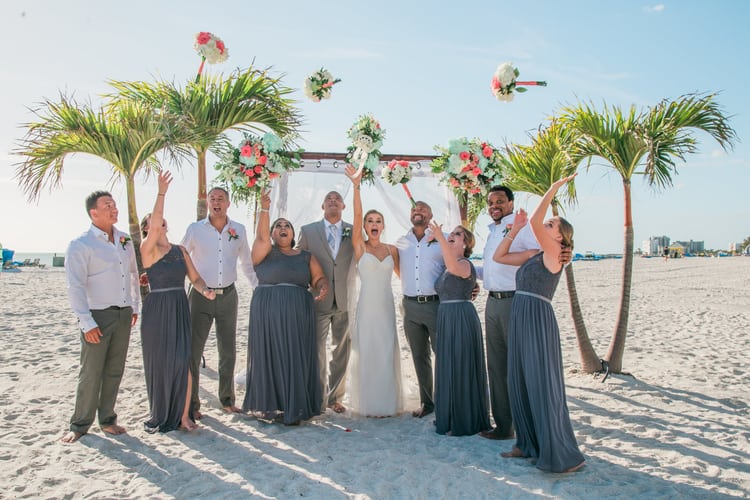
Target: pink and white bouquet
<point>398,172</point>
<point>505,83</point>
<point>250,168</point>
<point>211,48</point>
<point>318,85</point>
<point>470,168</point>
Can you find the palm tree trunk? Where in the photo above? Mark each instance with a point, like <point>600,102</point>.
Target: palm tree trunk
<point>134,228</point>
<point>617,345</point>
<point>201,203</point>
<point>589,359</point>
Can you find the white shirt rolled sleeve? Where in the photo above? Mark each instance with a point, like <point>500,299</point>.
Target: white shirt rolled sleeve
<point>499,277</point>
<point>420,263</point>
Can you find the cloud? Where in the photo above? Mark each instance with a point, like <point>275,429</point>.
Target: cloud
<point>651,9</point>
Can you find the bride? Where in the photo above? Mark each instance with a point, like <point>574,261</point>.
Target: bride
<point>375,364</point>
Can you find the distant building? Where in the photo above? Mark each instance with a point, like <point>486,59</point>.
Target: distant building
<point>655,245</point>
<point>735,248</point>
<point>692,247</point>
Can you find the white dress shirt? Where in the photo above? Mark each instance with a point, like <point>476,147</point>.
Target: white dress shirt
<point>502,277</point>
<point>421,264</point>
<point>215,253</point>
<point>101,274</point>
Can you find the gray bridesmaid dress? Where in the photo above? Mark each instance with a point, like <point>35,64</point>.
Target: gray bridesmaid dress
<point>535,372</point>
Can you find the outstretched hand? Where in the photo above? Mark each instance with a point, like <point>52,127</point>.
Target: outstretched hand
<point>164,180</point>
<point>521,219</point>
<point>437,230</point>
<point>561,182</point>
<point>265,200</point>
<point>354,174</point>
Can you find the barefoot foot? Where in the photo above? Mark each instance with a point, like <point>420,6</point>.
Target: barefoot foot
<point>114,429</point>
<point>71,437</point>
<point>231,409</point>
<point>197,414</point>
<point>575,467</point>
<point>188,425</point>
<point>513,453</point>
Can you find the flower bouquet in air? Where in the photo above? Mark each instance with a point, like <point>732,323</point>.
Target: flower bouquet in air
<point>398,172</point>
<point>505,83</point>
<point>318,85</point>
<point>364,153</point>
<point>211,48</point>
<point>250,168</point>
<point>470,168</point>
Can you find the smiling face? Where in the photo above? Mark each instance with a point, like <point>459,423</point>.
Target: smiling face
<point>373,224</point>
<point>499,205</point>
<point>104,213</point>
<point>217,203</point>
<point>421,214</point>
<point>282,233</point>
<point>461,241</point>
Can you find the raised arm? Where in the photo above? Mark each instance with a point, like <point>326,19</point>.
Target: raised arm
<point>156,229</point>
<point>549,245</point>
<point>262,243</point>
<point>453,264</point>
<point>358,241</point>
<point>503,254</point>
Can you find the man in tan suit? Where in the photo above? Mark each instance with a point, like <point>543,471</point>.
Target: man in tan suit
<point>329,240</point>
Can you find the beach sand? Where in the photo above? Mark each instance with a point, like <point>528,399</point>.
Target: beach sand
<point>678,427</point>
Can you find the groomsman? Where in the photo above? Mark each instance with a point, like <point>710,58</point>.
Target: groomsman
<point>421,264</point>
<point>103,290</point>
<point>329,240</point>
<point>215,244</point>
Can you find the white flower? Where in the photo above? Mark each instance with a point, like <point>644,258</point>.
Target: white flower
<point>506,74</point>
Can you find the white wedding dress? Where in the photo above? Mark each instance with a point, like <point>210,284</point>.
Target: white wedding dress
<point>375,364</point>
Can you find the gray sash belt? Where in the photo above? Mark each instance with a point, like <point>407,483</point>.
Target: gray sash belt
<point>454,301</point>
<point>540,297</point>
<point>167,289</point>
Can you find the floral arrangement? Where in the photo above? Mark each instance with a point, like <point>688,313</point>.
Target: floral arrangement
<point>211,48</point>
<point>346,233</point>
<point>367,137</point>
<point>249,168</point>
<point>471,168</point>
<point>398,172</point>
<point>124,241</point>
<point>318,85</point>
<point>233,234</point>
<point>504,82</point>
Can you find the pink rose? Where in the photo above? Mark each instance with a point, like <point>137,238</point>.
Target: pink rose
<point>487,151</point>
<point>404,163</point>
<point>250,172</point>
<point>454,183</point>
<point>262,160</point>
<point>464,155</point>
<point>204,37</point>
<point>220,46</point>
<point>258,169</point>
<point>246,150</point>
<point>476,171</point>
<point>273,175</point>
<point>251,182</point>
<point>495,84</point>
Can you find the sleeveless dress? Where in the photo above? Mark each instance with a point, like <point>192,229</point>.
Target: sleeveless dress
<point>535,373</point>
<point>461,393</point>
<point>375,363</point>
<point>282,373</point>
<point>165,340</point>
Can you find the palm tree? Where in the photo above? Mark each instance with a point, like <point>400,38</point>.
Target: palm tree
<point>533,169</point>
<point>246,100</point>
<point>646,143</point>
<point>127,136</point>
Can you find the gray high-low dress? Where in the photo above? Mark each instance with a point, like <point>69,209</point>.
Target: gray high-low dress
<point>165,339</point>
<point>535,373</point>
<point>461,393</point>
<point>282,375</point>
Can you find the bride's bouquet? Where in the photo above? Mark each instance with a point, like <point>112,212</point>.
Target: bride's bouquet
<point>211,48</point>
<point>504,82</point>
<point>367,137</point>
<point>249,169</point>
<point>470,168</point>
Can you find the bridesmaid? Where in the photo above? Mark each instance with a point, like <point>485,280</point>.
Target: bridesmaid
<point>461,394</point>
<point>165,322</point>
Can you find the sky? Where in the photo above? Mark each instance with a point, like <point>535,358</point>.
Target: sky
<point>421,68</point>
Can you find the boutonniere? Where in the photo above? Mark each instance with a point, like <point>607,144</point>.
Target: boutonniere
<point>233,234</point>
<point>124,241</point>
<point>507,229</point>
<point>346,232</point>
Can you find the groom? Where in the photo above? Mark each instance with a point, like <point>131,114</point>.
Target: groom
<point>329,240</point>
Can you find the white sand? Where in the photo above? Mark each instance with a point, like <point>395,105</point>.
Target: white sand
<point>678,428</point>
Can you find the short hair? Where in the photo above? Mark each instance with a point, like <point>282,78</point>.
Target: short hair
<point>506,190</point>
<point>273,224</point>
<point>469,241</point>
<point>93,198</point>
<point>219,188</point>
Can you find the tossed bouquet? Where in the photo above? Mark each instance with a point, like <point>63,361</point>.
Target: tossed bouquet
<point>504,82</point>
<point>211,48</point>
<point>318,85</point>
<point>249,168</point>
<point>398,172</point>
<point>470,168</point>
<point>364,153</point>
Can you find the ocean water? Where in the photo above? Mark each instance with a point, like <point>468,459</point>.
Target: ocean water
<point>44,258</point>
